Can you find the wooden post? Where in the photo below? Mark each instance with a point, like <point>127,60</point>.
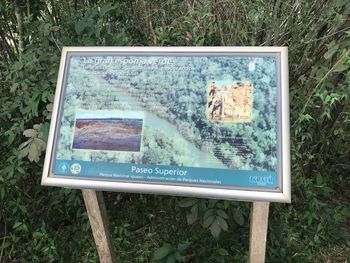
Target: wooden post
<point>259,218</point>
<point>96,209</point>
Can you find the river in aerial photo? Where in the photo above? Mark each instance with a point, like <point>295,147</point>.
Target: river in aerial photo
<point>198,157</point>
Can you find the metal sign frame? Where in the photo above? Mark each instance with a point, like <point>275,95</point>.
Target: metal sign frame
<point>281,194</point>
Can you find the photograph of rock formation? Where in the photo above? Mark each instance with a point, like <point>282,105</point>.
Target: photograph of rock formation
<point>114,134</point>
<point>231,102</point>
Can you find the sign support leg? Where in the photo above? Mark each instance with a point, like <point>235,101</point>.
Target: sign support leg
<point>96,209</point>
<point>258,231</point>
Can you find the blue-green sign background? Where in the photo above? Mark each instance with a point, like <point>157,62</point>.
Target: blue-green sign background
<point>169,94</point>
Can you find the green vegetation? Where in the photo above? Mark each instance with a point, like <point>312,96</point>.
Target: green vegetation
<point>44,224</point>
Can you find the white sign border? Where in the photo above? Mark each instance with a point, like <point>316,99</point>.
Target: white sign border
<point>284,196</point>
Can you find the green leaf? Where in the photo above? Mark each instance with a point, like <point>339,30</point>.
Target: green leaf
<point>37,235</point>
<point>106,8</point>
<point>11,136</point>
<point>212,203</point>
<point>331,51</point>
<point>25,228</point>
<point>183,246</point>
<point>341,67</point>
<point>222,223</point>
<point>14,87</point>
<point>41,144</point>
<point>55,28</point>
<point>227,204</point>
<point>179,257</point>
<point>37,127</point>
<point>34,149</point>
<point>208,221</point>
<point>208,213</point>
<point>17,66</point>
<point>193,215</point>
<point>80,26</point>
<point>91,13</point>
<point>30,133</point>
<point>17,225</point>
<point>162,252</point>
<point>305,117</point>
<point>20,169</point>
<point>24,149</point>
<point>187,202</point>
<point>170,259</point>
<point>33,153</point>
<point>222,213</point>
<point>98,31</point>
<point>215,229</point>
<point>222,252</point>
<point>238,217</point>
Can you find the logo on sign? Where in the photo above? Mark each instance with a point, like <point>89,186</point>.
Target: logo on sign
<point>63,167</point>
<point>75,168</point>
<point>261,180</point>
<point>251,66</point>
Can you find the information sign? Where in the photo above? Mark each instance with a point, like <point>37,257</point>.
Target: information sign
<point>199,121</point>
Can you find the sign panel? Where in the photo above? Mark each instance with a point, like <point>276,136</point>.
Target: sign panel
<point>207,122</point>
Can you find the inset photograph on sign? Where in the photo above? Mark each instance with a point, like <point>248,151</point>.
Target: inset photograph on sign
<point>104,131</point>
<point>230,101</point>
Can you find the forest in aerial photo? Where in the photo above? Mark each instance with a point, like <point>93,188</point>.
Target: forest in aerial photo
<point>200,111</point>
<point>115,134</point>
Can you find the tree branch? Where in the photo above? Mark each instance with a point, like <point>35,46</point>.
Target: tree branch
<point>18,13</point>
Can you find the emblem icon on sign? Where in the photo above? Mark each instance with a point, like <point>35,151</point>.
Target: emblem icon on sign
<point>75,168</point>
<point>63,167</point>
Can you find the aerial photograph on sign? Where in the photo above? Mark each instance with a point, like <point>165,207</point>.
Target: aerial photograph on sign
<point>217,112</point>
